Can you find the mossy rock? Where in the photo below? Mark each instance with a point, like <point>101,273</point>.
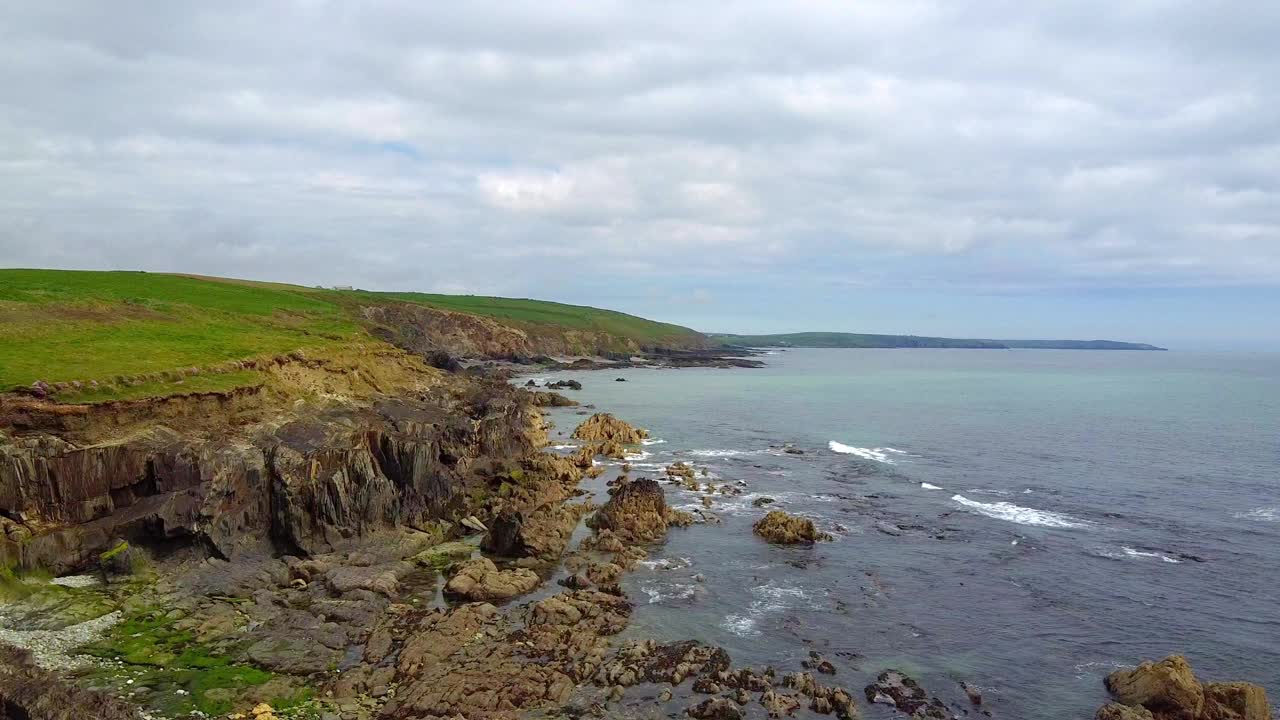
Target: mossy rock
<point>440,557</point>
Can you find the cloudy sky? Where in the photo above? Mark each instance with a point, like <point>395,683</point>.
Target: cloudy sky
<point>1082,169</point>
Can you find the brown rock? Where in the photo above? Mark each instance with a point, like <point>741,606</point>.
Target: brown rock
<point>1116,711</point>
<point>637,512</point>
<point>480,579</point>
<point>1167,688</point>
<point>1235,701</point>
<point>785,529</point>
<point>716,709</point>
<point>603,427</point>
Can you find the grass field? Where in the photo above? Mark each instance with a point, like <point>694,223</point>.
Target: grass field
<point>542,312</point>
<point>64,326</point>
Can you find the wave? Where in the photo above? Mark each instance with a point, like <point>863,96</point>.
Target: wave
<point>652,441</point>
<point>929,486</point>
<point>665,593</point>
<point>1021,515</point>
<point>878,454</point>
<point>720,453</point>
<point>1260,514</point>
<point>566,446</point>
<point>1139,553</point>
<point>770,598</point>
<point>637,454</point>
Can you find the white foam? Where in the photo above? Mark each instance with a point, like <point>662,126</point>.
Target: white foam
<point>720,453</point>
<point>1021,515</point>
<point>566,446</point>
<point>637,454</point>
<point>929,486</point>
<point>1260,514</point>
<point>662,593</point>
<point>652,441</point>
<point>665,563</point>
<point>878,454</point>
<point>740,625</point>
<point>1138,553</point>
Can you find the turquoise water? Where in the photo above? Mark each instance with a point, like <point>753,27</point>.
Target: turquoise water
<point>1025,521</point>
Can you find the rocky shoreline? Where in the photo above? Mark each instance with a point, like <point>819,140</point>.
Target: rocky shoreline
<point>398,547</point>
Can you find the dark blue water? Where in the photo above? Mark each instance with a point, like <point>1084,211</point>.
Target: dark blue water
<point>1091,509</point>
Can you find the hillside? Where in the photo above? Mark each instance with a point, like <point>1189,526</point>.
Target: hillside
<point>121,334</point>
<point>861,340</point>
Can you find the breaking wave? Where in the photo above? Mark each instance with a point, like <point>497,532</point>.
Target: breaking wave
<point>929,486</point>
<point>1021,515</point>
<point>1260,514</point>
<point>878,454</point>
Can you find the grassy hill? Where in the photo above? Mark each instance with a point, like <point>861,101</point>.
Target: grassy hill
<point>850,340</point>
<point>862,340</point>
<point>64,326</point>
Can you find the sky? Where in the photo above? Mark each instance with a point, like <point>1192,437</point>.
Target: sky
<point>993,169</point>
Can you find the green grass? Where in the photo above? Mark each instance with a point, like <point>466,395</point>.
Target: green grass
<point>220,382</point>
<point>552,314</point>
<point>61,326</point>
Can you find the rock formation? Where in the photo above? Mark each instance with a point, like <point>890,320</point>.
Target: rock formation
<point>1170,690</point>
<point>605,428</point>
<point>637,512</point>
<point>785,529</point>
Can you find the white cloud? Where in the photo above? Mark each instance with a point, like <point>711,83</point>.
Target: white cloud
<point>489,145</point>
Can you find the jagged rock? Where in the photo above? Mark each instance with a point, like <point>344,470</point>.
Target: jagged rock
<point>565,385</point>
<point>471,522</point>
<point>778,704</point>
<point>1116,711</point>
<point>716,709</point>
<point>973,693</point>
<point>1168,687</point>
<point>762,501</point>
<point>1235,701</point>
<point>1170,690</point>
<point>647,661</point>
<point>603,427</point>
<point>480,579</point>
<point>29,693</point>
<point>785,529</point>
<point>637,512</point>
<point>895,688</point>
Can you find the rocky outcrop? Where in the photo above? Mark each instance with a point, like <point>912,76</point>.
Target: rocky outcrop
<point>1170,690</point>
<point>425,330</point>
<point>321,479</point>
<point>29,693</point>
<point>636,512</point>
<point>480,579</point>
<point>786,529</point>
<point>605,428</point>
<point>901,691</point>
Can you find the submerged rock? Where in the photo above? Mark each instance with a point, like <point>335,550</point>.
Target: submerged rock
<point>786,529</point>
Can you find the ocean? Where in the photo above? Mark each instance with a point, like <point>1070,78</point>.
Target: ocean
<point>1024,521</point>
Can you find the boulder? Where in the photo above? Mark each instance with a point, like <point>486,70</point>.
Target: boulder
<point>786,529</point>
<point>480,579</point>
<point>604,427</point>
<point>1235,701</point>
<point>716,709</point>
<point>1116,711</point>
<point>1168,688</point>
<point>637,512</point>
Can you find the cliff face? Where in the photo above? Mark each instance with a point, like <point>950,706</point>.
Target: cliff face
<point>303,481</point>
<point>421,329</point>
